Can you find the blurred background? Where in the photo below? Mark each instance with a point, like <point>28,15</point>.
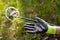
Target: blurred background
<point>49,10</point>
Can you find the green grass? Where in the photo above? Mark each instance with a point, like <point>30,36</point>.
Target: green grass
<point>47,9</point>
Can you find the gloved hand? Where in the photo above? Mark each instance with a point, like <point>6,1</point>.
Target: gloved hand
<point>40,27</point>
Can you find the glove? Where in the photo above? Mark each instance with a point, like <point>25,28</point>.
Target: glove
<point>40,27</point>
<point>35,28</point>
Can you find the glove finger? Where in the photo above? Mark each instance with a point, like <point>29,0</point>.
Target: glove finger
<point>31,24</point>
<point>39,20</point>
<point>30,31</point>
<point>27,28</point>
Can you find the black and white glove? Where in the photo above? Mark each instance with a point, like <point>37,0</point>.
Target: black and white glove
<point>40,27</point>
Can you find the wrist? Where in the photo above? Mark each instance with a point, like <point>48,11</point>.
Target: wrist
<point>51,30</point>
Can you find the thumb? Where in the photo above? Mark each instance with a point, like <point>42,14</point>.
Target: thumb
<point>39,20</point>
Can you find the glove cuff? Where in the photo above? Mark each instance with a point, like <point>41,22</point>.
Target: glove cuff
<point>51,30</point>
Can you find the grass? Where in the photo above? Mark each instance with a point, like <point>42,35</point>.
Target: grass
<point>49,10</point>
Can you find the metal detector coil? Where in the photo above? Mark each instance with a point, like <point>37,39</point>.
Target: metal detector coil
<point>11,13</point>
